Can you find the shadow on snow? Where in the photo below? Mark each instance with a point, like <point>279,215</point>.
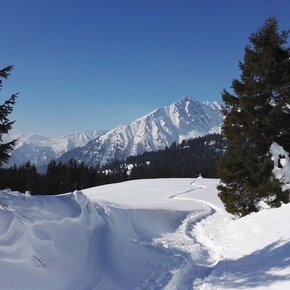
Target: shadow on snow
<point>260,268</point>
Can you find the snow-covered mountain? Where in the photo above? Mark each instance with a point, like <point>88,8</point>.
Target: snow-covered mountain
<point>184,119</point>
<point>40,150</point>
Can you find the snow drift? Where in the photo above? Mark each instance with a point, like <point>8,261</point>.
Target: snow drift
<point>46,242</point>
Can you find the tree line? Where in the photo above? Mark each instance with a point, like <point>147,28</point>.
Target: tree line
<point>190,158</point>
<point>59,178</point>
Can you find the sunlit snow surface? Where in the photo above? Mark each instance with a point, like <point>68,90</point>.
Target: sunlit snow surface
<point>143,234</point>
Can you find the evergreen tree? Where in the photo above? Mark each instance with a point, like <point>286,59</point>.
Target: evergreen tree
<point>256,115</point>
<point>5,124</point>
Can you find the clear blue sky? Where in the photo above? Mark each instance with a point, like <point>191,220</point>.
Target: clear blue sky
<point>95,64</point>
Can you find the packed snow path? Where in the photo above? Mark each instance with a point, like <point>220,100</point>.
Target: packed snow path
<point>187,261</point>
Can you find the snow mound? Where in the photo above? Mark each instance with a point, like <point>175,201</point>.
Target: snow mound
<point>281,161</point>
<point>46,242</point>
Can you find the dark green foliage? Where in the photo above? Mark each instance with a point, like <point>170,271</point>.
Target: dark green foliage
<point>59,178</point>
<point>5,124</point>
<point>22,178</point>
<point>256,115</point>
<point>188,159</point>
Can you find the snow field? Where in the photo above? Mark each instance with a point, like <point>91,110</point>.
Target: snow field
<point>143,234</point>
<point>250,253</point>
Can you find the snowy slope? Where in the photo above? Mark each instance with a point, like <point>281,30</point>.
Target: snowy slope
<point>249,253</point>
<point>184,119</point>
<point>143,234</point>
<point>40,150</point>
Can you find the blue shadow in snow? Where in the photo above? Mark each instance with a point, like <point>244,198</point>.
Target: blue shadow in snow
<point>255,270</point>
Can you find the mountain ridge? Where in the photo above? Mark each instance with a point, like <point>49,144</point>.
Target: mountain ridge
<point>184,119</point>
<point>40,150</point>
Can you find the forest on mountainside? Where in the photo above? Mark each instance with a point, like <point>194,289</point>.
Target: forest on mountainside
<point>190,158</point>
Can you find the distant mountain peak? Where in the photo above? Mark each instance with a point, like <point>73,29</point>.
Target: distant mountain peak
<point>36,138</point>
<point>184,119</point>
<point>188,99</point>
<point>40,150</point>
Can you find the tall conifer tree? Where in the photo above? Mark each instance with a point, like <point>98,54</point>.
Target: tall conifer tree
<point>256,115</point>
<point>5,124</point>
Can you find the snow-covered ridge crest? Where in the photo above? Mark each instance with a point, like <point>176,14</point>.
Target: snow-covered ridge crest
<point>40,150</point>
<point>184,119</point>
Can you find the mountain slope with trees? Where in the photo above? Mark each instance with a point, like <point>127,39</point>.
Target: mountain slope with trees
<point>184,119</point>
<point>190,158</point>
